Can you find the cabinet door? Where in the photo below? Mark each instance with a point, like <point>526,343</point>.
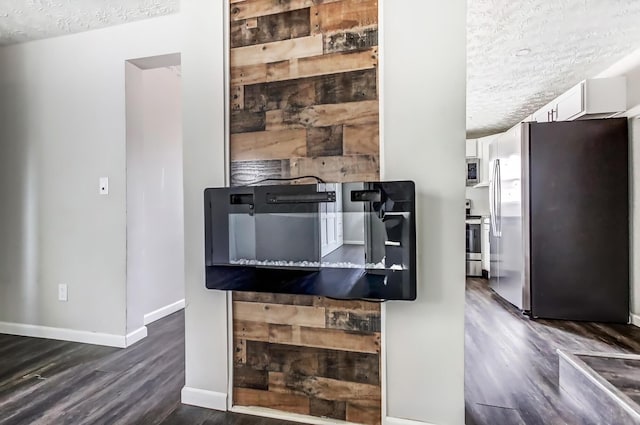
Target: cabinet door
<point>472,148</point>
<point>571,104</point>
<point>543,115</point>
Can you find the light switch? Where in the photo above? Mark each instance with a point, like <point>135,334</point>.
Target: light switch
<point>104,185</point>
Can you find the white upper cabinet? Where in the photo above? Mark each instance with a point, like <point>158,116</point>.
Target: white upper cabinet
<point>472,148</point>
<point>594,98</point>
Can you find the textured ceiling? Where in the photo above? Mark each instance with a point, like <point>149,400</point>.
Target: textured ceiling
<point>25,20</point>
<point>569,40</point>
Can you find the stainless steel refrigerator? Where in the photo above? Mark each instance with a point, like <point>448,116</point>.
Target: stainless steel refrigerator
<point>559,202</point>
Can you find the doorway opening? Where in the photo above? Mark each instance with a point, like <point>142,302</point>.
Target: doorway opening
<point>155,220</point>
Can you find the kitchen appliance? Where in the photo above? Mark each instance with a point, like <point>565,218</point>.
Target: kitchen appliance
<point>474,245</point>
<point>473,171</point>
<point>559,203</point>
<point>346,241</point>
<point>467,206</point>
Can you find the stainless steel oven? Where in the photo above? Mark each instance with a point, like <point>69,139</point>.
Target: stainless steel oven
<point>474,246</point>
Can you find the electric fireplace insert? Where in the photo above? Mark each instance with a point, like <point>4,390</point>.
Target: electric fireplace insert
<point>339,240</point>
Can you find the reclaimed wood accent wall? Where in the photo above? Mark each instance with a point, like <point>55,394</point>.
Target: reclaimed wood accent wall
<point>304,89</point>
<point>304,101</point>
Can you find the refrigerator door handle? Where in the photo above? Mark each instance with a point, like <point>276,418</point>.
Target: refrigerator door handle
<point>498,199</point>
<point>492,200</point>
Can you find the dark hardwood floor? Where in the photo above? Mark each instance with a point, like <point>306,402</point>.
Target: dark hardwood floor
<point>54,382</point>
<point>511,364</point>
<point>511,373</point>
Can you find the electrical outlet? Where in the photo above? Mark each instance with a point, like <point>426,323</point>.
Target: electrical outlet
<point>62,292</point>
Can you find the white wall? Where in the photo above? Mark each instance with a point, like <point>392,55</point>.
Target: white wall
<point>424,140</point>
<point>424,102</point>
<point>155,225</point>
<point>62,126</point>
<point>203,89</point>
<point>479,200</point>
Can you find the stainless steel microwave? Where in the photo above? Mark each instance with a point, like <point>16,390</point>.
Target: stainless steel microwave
<point>473,171</point>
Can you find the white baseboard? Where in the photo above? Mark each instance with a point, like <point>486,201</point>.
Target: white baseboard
<point>62,334</point>
<point>203,398</point>
<point>136,336</point>
<point>397,421</point>
<point>286,416</point>
<point>635,320</point>
<point>163,312</point>
<point>353,242</point>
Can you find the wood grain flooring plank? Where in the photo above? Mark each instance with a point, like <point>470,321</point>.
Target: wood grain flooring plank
<point>277,51</point>
<point>503,347</point>
<point>313,317</point>
<point>268,145</point>
<point>256,8</point>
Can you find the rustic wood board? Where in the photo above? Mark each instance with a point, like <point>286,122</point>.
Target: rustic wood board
<point>268,145</point>
<point>256,8</point>
<point>304,101</point>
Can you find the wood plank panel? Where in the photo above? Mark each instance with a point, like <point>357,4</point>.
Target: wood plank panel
<point>334,88</point>
<point>306,67</point>
<point>353,320</point>
<point>342,15</point>
<point>247,122</point>
<point>275,121</point>
<point>324,338</point>
<point>247,377</point>
<point>248,172</point>
<point>364,412</point>
<point>277,51</point>
<point>322,65</point>
<point>353,113</point>
<point>249,331</point>
<point>268,145</point>
<point>338,168</point>
<point>237,98</point>
<point>360,139</point>
<point>324,141</point>
<point>268,298</point>
<point>355,39</point>
<point>322,388</point>
<point>330,303</point>
<point>287,402</point>
<point>270,28</point>
<point>313,317</point>
<point>285,84</point>
<point>255,8</point>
